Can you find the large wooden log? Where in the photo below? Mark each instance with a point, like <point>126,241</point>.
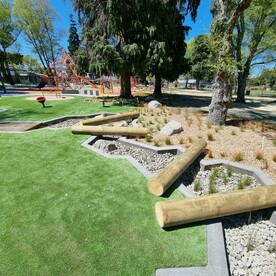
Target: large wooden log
<point>111,118</point>
<point>158,184</point>
<point>192,209</point>
<point>107,130</point>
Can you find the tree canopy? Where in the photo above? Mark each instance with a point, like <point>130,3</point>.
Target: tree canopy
<point>8,36</point>
<point>255,40</point>
<point>73,40</point>
<point>128,37</point>
<point>35,18</point>
<point>200,59</point>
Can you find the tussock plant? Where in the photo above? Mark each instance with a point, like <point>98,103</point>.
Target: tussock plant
<point>210,137</point>
<point>222,154</point>
<point>165,120</point>
<point>251,244</point>
<point>190,139</point>
<point>212,186</point>
<point>210,154</point>
<point>156,143</point>
<point>209,125</point>
<point>229,171</point>
<point>197,185</point>
<point>148,138</point>
<point>274,158</point>
<point>168,141</point>
<point>259,155</point>
<point>181,141</point>
<point>233,132</point>
<point>199,120</point>
<point>158,127</point>
<point>238,156</point>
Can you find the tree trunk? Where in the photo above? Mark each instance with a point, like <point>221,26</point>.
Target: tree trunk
<point>225,17</point>
<point>197,84</point>
<point>221,99</point>
<point>125,84</point>
<point>157,86</point>
<point>242,81</point>
<point>186,83</point>
<point>3,83</point>
<point>8,76</point>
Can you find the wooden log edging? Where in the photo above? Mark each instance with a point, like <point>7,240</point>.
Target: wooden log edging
<point>107,130</point>
<point>158,184</point>
<point>111,118</point>
<point>193,209</point>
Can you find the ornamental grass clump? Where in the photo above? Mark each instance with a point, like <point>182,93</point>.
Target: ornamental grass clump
<point>259,155</point>
<point>238,156</point>
<point>197,185</point>
<point>148,138</point>
<point>210,137</point>
<point>168,141</point>
<point>156,143</point>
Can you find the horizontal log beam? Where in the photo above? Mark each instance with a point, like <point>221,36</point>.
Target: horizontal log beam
<point>198,208</point>
<point>107,130</point>
<point>158,184</point>
<point>111,118</point>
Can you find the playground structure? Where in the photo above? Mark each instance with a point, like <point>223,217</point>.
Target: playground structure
<point>64,76</point>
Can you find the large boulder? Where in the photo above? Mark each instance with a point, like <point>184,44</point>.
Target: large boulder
<point>154,104</point>
<point>172,127</point>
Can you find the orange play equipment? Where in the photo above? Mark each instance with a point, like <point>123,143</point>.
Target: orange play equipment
<point>64,75</point>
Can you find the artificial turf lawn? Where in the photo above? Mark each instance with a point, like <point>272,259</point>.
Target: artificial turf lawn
<point>22,109</point>
<point>68,211</point>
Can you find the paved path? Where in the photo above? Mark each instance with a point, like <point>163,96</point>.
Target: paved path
<point>18,126</point>
<point>255,108</point>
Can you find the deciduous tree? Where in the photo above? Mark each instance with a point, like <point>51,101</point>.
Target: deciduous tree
<point>8,36</point>
<point>36,17</point>
<point>255,42</point>
<point>200,59</point>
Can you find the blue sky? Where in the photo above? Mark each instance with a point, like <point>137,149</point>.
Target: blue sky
<point>65,7</point>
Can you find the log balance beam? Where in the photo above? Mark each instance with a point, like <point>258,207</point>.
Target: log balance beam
<point>158,184</point>
<point>108,130</point>
<point>111,118</point>
<point>192,209</point>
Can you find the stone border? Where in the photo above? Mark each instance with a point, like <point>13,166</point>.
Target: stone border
<point>216,251</point>
<point>258,174</point>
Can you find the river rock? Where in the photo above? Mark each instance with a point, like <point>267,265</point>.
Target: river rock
<point>172,127</point>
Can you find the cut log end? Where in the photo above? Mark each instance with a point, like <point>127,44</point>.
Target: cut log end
<point>155,188</point>
<point>159,215</point>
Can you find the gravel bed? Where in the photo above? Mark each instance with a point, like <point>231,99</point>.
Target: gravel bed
<point>250,238</point>
<point>151,161</point>
<point>66,123</point>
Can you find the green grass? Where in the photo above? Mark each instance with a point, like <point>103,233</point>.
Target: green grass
<point>68,211</point>
<point>22,109</point>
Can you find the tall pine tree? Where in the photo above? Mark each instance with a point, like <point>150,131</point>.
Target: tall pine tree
<point>73,40</point>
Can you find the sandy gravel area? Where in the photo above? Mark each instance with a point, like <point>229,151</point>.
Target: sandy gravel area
<point>248,142</point>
